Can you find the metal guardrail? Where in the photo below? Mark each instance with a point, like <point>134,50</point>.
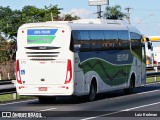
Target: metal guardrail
<point>4,82</point>
<point>7,91</point>
<point>153,70</point>
<point>153,74</point>
<point>7,87</point>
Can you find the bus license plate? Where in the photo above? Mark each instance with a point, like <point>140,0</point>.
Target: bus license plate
<point>43,88</point>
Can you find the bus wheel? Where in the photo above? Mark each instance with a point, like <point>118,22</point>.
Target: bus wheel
<point>131,86</point>
<point>46,99</point>
<point>92,92</point>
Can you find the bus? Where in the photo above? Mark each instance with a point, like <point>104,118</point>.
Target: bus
<point>78,58</point>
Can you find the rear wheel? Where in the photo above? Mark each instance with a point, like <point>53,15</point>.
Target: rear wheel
<point>92,93</point>
<point>131,86</point>
<point>46,99</point>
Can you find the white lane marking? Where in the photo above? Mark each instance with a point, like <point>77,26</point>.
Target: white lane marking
<point>141,106</point>
<point>27,101</point>
<point>18,102</point>
<point>103,115</point>
<point>146,92</point>
<point>48,109</point>
<point>100,115</point>
<point>94,117</point>
<point>124,96</point>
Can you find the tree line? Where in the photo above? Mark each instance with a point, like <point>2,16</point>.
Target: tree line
<point>11,20</point>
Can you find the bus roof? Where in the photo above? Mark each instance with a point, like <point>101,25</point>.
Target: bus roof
<point>87,24</point>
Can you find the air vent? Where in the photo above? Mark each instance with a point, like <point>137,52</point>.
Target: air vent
<point>42,55</point>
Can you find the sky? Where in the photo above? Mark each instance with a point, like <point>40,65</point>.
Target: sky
<point>145,14</point>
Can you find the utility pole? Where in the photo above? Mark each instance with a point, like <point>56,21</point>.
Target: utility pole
<point>99,11</point>
<point>128,14</point>
<point>98,3</point>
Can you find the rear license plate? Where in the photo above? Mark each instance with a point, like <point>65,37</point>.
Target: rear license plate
<point>43,88</point>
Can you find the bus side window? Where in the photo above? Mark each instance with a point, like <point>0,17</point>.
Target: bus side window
<point>71,47</point>
<point>75,41</point>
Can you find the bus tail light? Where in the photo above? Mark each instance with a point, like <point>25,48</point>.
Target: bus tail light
<point>18,77</point>
<point>69,72</point>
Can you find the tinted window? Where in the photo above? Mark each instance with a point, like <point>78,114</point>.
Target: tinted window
<point>123,40</point>
<point>84,35</point>
<point>110,35</point>
<point>96,35</point>
<point>76,35</point>
<point>99,40</point>
<point>136,43</point>
<point>123,35</point>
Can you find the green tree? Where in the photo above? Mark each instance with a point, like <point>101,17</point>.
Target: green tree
<point>3,51</point>
<point>114,12</point>
<point>11,20</point>
<point>5,13</point>
<point>54,10</point>
<point>69,17</point>
<point>29,14</point>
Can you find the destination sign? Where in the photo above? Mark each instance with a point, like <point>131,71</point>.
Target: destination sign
<point>41,31</point>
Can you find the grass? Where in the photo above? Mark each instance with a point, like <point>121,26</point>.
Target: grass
<point>9,97</point>
<point>152,79</point>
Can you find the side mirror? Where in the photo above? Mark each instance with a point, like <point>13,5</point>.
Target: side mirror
<point>150,45</point>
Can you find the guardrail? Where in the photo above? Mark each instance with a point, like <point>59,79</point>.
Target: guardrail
<point>4,82</point>
<point>153,70</point>
<point>153,74</point>
<point>7,87</point>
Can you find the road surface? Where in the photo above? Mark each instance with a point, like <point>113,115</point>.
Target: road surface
<point>143,104</point>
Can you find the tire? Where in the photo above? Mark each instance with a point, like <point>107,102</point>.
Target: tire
<point>130,89</point>
<point>92,93</point>
<point>46,99</point>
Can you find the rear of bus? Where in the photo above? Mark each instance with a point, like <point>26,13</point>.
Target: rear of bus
<point>44,63</point>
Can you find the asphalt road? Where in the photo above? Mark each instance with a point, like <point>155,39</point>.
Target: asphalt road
<point>143,104</point>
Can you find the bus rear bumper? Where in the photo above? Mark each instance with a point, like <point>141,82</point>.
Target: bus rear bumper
<point>45,90</point>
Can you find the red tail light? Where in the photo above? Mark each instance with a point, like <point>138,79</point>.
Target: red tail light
<point>69,72</point>
<point>18,77</point>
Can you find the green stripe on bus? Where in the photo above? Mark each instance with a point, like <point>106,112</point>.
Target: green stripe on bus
<point>40,39</point>
<point>111,74</point>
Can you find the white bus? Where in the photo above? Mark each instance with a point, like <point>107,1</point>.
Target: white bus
<point>81,57</point>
